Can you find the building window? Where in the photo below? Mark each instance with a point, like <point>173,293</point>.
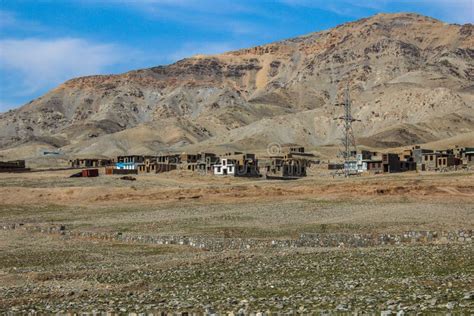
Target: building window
<point>431,158</point>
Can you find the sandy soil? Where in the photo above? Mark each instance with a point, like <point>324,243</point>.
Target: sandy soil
<point>57,188</point>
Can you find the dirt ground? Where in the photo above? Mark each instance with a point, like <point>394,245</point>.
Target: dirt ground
<point>43,272</point>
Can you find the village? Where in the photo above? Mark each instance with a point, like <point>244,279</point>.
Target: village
<point>414,159</point>
<point>289,163</point>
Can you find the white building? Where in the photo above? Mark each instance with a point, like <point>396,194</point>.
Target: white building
<point>356,166</point>
<point>225,167</point>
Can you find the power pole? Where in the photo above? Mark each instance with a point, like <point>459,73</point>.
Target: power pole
<point>348,140</point>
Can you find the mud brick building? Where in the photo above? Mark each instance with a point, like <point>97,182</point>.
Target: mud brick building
<point>373,162</point>
<point>126,165</point>
<point>391,163</point>
<point>291,163</point>
<point>407,165</point>
<point>446,161</point>
<point>290,148</point>
<point>406,155</point>
<point>366,161</point>
<point>369,155</point>
<point>286,168</point>
<point>375,166</point>
<point>188,161</point>
<point>168,162</point>
<point>149,165</point>
<point>467,156</point>
<point>168,159</point>
<point>90,162</point>
<point>206,162</point>
<point>418,158</point>
<point>429,161</point>
<point>131,159</point>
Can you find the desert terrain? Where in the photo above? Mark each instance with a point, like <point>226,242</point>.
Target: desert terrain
<point>194,243</point>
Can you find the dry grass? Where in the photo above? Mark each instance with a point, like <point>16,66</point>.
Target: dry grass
<point>182,203</point>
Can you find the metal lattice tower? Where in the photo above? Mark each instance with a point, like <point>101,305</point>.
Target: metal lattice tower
<point>348,140</point>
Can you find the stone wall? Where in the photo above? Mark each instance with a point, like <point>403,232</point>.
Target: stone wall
<point>220,244</point>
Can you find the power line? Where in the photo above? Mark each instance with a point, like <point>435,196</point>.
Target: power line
<point>348,139</point>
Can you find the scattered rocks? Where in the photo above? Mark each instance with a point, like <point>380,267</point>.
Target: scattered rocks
<point>390,280</point>
<point>305,240</point>
<point>469,296</point>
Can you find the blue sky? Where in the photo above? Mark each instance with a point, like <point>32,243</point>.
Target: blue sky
<point>45,42</point>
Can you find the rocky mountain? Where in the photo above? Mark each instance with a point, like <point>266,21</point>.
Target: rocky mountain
<point>411,79</point>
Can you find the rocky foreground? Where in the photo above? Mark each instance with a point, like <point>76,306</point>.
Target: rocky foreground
<point>139,279</point>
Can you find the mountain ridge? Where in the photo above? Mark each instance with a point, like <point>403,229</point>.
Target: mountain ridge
<point>411,79</point>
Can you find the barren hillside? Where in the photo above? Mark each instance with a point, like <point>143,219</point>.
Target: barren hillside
<point>411,81</point>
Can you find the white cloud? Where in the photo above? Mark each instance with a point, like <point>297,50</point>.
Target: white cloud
<point>29,67</point>
<point>44,63</point>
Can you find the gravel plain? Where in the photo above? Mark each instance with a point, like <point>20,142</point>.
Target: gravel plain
<point>53,273</point>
